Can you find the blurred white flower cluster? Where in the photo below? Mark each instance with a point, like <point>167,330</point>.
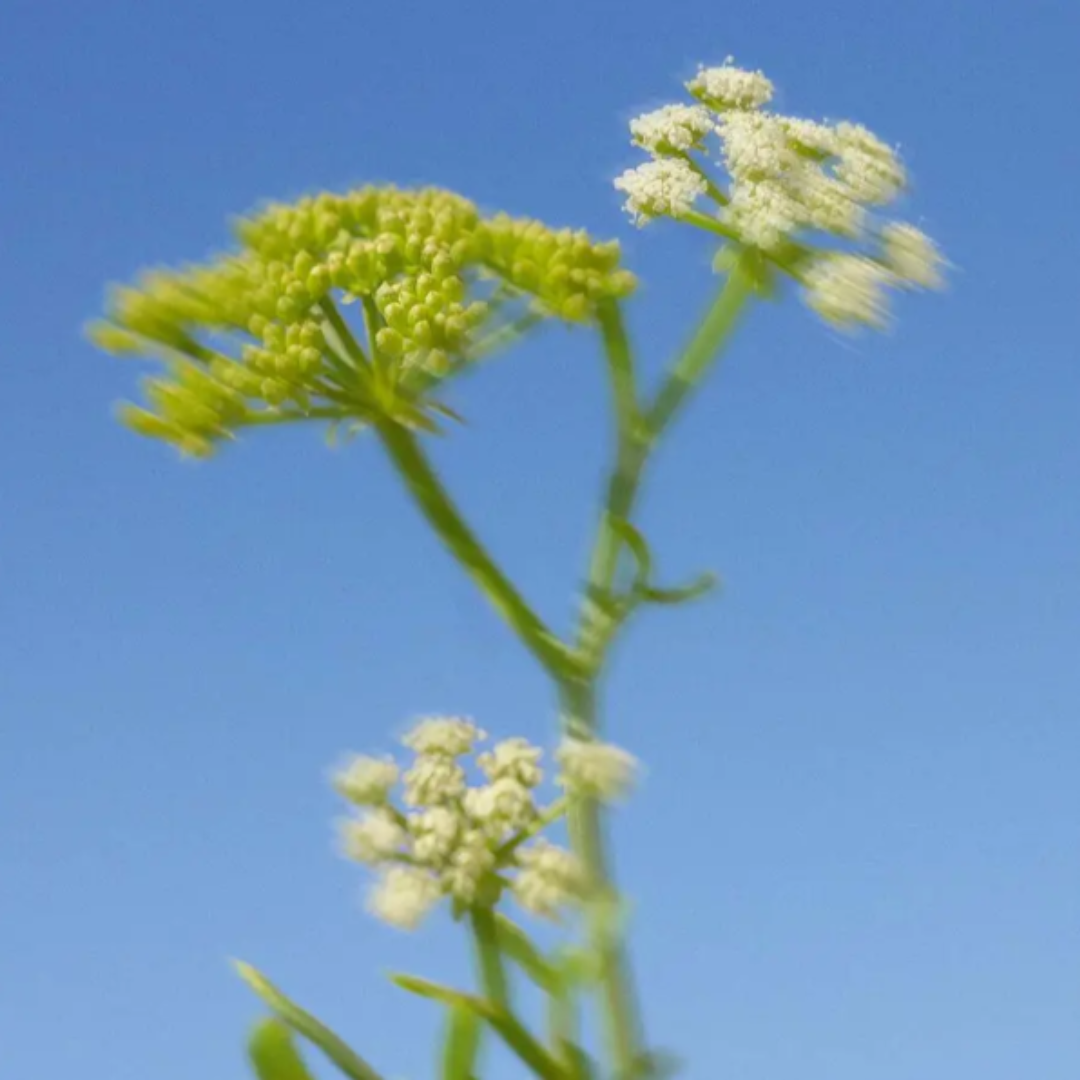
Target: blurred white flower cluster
<point>792,185</point>
<point>468,841</point>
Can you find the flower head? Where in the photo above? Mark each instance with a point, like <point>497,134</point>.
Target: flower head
<point>596,769</point>
<point>912,256</point>
<point>665,187</point>
<point>259,335</point>
<point>849,291</point>
<point>366,781</point>
<point>549,879</point>
<point>729,87</point>
<point>672,128</point>
<point>793,188</point>
<point>403,896</point>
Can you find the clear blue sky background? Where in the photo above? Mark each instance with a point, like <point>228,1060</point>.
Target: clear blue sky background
<point>857,853</point>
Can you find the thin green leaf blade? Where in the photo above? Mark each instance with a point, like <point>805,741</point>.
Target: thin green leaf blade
<point>462,1044</point>
<point>303,1023</point>
<point>516,1036</point>
<point>273,1054</point>
<point>516,944</point>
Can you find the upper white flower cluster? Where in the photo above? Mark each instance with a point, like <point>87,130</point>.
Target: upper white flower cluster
<point>464,841</point>
<point>788,180</point>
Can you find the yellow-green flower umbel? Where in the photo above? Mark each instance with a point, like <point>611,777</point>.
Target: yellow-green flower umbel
<point>258,336</point>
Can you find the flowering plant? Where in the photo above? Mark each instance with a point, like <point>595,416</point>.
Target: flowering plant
<point>356,311</point>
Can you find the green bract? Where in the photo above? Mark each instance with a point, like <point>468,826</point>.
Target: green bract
<point>258,336</point>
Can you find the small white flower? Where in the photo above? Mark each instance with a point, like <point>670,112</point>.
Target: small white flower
<point>849,291</point>
<point>729,87</point>
<point>403,895</point>
<point>366,781</point>
<point>671,128</point>
<point>868,167</point>
<point>549,878</point>
<point>504,804</point>
<point>912,256</point>
<point>828,205</point>
<point>756,146</point>
<point>763,214</point>
<point>597,769</point>
<point>514,759</point>
<point>372,838</point>
<point>664,187</point>
<point>435,832</point>
<point>472,859</point>
<point>433,780</point>
<point>810,135</point>
<point>451,736</point>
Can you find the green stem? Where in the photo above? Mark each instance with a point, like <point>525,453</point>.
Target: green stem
<point>637,437</point>
<point>489,957</point>
<point>443,516</point>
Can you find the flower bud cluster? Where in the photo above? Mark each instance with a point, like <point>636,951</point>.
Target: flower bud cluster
<point>792,186</point>
<point>262,324</point>
<point>448,837</point>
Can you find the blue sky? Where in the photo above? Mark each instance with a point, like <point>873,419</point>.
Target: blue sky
<point>856,853</point>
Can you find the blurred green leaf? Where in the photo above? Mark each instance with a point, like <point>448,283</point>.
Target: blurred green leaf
<point>303,1023</point>
<point>508,1027</point>
<point>273,1053</point>
<point>462,1045</point>
<point>516,944</point>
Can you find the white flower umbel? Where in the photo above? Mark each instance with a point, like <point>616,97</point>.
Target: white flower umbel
<point>433,780</point>
<point>366,781</point>
<point>849,291</point>
<point>595,769</point>
<point>793,187</point>
<point>403,895</point>
<point>729,87</point>
<point>549,879</point>
<point>868,167</point>
<point>505,804</point>
<point>372,838</point>
<point>666,187</point>
<point>435,832</point>
<point>672,128</point>
<point>451,736</point>
<point>912,256</point>
<point>513,759</point>
<point>470,863</point>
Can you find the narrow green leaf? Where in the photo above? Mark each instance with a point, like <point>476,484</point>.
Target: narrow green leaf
<point>273,1054</point>
<point>303,1023</point>
<point>462,1044</point>
<point>508,1027</point>
<point>579,1064</point>
<point>516,944</point>
<point>694,590</point>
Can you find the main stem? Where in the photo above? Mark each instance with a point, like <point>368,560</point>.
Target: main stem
<point>638,433</point>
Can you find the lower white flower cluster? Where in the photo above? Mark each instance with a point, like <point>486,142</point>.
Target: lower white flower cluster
<point>469,842</point>
<point>791,184</point>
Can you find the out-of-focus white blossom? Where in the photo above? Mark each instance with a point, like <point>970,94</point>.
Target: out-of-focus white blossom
<point>470,862</point>
<point>912,256</point>
<point>596,769</point>
<point>451,736</point>
<point>366,781</point>
<point>729,87</point>
<point>435,831</point>
<point>672,128</point>
<point>868,167</point>
<point>403,895</point>
<point>513,759</point>
<point>549,878</point>
<point>372,838</point>
<point>664,187</point>
<point>501,805</point>
<point>849,291</point>
<point>433,780</point>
